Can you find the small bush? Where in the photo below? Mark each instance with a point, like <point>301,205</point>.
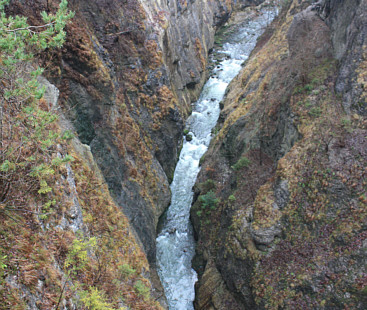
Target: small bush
<point>67,135</point>
<point>126,271</point>
<point>142,289</point>
<point>316,111</point>
<point>308,104</point>
<point>316,81</point>
<point>242,162</point>
<point>346,124</point>
<point>94,300</point>
<point>209,200</point>
<point>308,87</point>
<point>3,267</point>
<point>207,186</point>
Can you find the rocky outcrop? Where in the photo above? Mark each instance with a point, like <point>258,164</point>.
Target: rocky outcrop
<point>288,162</point>
<point>288,167</point>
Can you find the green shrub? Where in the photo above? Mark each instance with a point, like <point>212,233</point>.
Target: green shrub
<point>32,131</point>
<point>77,258</point>
<point>207,185</point>
<point>126,271</point>
<point>315,81</point>
<point>93,299</point>
<point>142,289</point>
<point>308,87</point>
<point>315,111</point>
<point>308,103</point>
<point>242,162</point>
<point>209,200</point>
<point>346,124</point>
<point>3,267</point>
<point>67,135</point>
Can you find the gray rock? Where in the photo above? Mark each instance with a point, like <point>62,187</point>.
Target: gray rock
<point>265,236</point>
<point>348,23</point>
<point>51,94</point>
<point>281,193</point>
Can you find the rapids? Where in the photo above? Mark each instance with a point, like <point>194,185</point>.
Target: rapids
<point>175,242</point>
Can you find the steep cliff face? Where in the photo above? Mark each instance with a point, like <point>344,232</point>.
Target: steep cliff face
<point>133,118</point>
<point>347,22</point>
<point>289,166</point>
<point>66,244</point>
<point>127,75</point>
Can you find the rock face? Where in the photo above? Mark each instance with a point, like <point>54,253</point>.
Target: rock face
<point>153,70</point>
<point>127,76</point>
<point>290,230</point>
<point>347,22</point>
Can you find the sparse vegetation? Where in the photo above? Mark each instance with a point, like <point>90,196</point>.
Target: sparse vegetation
<point>312,261</point>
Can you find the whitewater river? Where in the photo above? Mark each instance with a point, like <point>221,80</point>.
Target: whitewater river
<point>175,243</point>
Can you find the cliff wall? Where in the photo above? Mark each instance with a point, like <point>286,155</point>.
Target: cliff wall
<point>126,77</point>
<point>288,164</point>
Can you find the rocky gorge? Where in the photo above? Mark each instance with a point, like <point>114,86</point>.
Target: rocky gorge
<point>285,171</point>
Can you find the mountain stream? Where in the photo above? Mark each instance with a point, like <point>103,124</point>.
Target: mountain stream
<point>175,242</point>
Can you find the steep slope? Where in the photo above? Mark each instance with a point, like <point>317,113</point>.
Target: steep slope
<point>288,164</point>
<point>126,75</point>
<point>64,244</point>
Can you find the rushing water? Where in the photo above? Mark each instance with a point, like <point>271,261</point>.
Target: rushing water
<point>175,243</point>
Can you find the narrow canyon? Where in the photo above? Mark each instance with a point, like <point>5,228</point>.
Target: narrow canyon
<point>183,154</point>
